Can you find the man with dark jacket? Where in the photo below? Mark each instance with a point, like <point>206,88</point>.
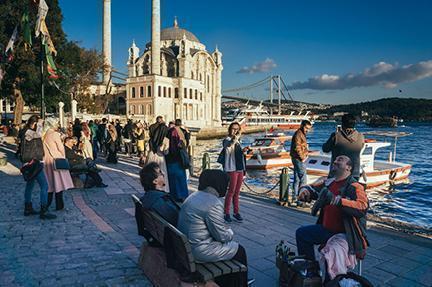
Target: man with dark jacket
<point>155,199</point>
<point>346,141</point>
<point>299,153</point>
<point>342,203</point>
<point>102,135</point>
<point>79,163</point>
<point>128,137</point>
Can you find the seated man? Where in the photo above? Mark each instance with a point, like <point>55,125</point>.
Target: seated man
<point>201,219</point>
<point>154,198</point>
<point>79,163</point>
<point>343,204</point>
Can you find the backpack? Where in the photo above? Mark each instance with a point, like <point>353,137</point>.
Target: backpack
<point>32,149</point>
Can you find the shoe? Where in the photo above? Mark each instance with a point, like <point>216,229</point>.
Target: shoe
<point>102,185</point>
<point>238,217</point>
<point>250,281</point>
<point>28,209</point>
<point>227,218</point>
<point>44,214</point>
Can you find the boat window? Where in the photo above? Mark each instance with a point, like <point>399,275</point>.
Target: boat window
<point>325,163</point>
<point>261,142</point>
<point>367,150</point>
<point>313,161</point>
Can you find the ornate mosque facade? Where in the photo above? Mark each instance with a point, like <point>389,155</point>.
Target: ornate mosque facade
<point>175,77</point>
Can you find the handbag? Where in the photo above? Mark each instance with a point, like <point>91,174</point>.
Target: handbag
<point>185,160</point>
<point>61,163</point>
<point>31,169</point>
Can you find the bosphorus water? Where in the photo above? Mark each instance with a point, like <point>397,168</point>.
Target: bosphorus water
<point>409,202</point>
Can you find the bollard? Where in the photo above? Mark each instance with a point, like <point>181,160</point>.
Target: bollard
<point>283,186</point>
<point>205,161</point>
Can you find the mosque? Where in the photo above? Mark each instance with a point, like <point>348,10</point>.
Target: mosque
<point>175,77</point>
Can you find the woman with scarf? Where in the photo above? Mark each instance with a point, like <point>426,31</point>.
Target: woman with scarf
<point>176,162</point>
<point>111,144</point>
<point>158,145</point>
<point>201,219</point>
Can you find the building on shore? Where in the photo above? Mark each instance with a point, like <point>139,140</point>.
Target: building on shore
<point>175,77</point>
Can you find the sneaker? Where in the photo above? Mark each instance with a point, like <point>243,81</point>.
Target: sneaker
<point>238,217</point>
<point>227,218</point>
<point>250,281</point>
<point>102,185</point>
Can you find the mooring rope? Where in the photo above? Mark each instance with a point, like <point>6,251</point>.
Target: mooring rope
<point>265,192</point>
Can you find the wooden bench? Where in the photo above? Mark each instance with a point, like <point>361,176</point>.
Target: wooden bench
<point>179,255</point>
<point>76,179</point>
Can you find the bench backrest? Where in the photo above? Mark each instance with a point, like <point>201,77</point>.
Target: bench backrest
<point>180,251</point>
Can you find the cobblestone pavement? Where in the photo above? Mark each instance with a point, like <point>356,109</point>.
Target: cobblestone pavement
<point>94,241</point>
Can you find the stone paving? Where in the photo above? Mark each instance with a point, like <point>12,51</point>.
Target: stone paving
<point>95,243</point>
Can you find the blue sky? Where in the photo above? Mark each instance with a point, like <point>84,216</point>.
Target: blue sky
<point>386,45</point>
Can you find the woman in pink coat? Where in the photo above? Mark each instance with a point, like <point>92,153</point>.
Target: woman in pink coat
<point>58,180</point>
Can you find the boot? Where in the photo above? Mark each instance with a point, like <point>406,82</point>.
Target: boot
<point>44,214</point>
<point>28,209</point>
<point>50,199</point>
<point>59,200</point>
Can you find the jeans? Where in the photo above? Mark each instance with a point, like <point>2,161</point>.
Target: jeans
<point>310,235</point>
<point>233,194</point>
<point>43,184</point>
<point>300,176</point>
<point>95,148</point>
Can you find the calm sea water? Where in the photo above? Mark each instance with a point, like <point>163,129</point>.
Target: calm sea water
<point>410,202</point>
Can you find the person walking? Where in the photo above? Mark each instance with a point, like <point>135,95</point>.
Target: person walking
<point>233,161</point>
<point>176,160</point>
<point>93,125</point>
<point>119,130</point>
<point>85,142</point>
<point>299,153</point>
<point>58,180</point>
<point>111,144</point>
<point>159,146</point>
<point>346,141</point>
<point>128,138</point>
<point>32,148</point>
<point>102,135</point>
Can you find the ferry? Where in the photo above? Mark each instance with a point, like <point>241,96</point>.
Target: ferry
<point>374,172</point>
<point>258,116</point>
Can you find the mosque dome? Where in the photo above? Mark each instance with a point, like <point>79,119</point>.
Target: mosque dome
<point>176,33</point>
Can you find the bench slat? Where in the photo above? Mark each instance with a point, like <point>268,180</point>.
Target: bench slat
<point>234,267</point>
<point>242,266</point>
<point>223,267</point>
<point>213,269</point>
<point>206,275</point>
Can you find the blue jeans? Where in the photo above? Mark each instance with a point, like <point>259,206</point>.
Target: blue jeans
<point>43,184</point>
<point>300,176</point>
<point>310,235</point>
<point>95,148</point>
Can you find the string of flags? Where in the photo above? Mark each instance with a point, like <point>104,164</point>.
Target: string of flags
<point>41,30</point>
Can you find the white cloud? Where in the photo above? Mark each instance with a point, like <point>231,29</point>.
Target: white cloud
<point>265,66</point>
<point>382,73</point>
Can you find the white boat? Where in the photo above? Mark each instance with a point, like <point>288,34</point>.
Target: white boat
<point>258,116</point>
<point>268,152</point>
<point>374,172</point>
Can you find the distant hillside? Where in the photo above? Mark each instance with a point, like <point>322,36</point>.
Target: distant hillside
<point>409,109</point>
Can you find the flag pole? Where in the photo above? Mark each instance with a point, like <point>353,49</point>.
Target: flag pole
<point>42,98</point>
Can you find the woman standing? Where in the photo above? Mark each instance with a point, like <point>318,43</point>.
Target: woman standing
<point>111,144</point>
<point>159,145</point>
<point>86,142</point>
<point>58,180</point>
<point>140,136</point>
<point>32,148</point>
<point>233,162</point>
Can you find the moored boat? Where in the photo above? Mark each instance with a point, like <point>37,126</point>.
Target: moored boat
<point>374,172</point>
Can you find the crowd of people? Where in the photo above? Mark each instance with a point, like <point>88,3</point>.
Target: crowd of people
<point>341,201</point>
<point>162,151</point>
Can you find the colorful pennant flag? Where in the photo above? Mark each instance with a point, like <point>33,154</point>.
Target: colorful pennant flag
<point>42,12</point>
<point>10,46</point>
<point>47,37</point>
<point>25,24</point>
<point>51,67</point>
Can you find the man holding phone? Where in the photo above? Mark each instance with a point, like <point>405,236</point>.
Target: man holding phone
<point>299,153</point>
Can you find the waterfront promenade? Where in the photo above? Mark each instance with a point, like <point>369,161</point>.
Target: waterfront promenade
<point>94,241</point>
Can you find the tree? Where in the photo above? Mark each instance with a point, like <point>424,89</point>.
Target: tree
<point>78,67</point>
